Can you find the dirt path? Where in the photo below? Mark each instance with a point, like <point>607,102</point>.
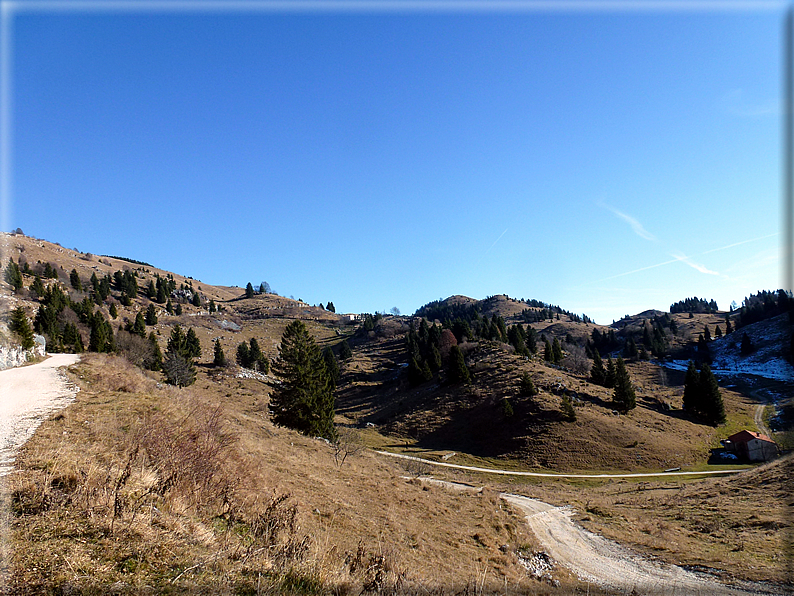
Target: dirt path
<point>605,563</point>
<point>30,394</point>
<point>549,474</point>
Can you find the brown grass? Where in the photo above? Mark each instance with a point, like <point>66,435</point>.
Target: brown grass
<point>143,487</point>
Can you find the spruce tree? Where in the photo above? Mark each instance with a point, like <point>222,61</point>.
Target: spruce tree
<point>710,397</point>
<point>178,310</point>
<point>548,354</point>
<point>556,351</point>
<point>249,290</point>
<point>155,359</point>
<point>74,279</point>
<point>330,306</point>
<point>19,324</point>
<point>747,345</point>
<point>139,327</point>
<point>169,308</point>
<point>345,353</point>
<point>692,402</point>
<point>457,371</point>
<point>526,387</point>
<point>151,291</point>
<point>243,358</point>
<point>718,332</point>
<point>566,408</point>
<point>13,276</point>
<point>332,366</point>
<point>304,400</point>
<point>196,301</point>
<point>610,377</point>
<point>162,295</point>
<point>151,315</point>
<point>212,306</point>
<point>178,364</point>
<point>37,287</point>
<point>598,374</point>
<point>114,313</point>
<point>219,358</point>
<point>193,344</point>
<point>623,395</point>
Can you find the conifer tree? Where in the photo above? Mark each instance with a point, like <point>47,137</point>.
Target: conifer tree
<point>610,377</point>
<point>212,306</point>
<point>19,324</point>
<point>710,397</point>
<point>332,366</point>
<point>598,374</point>
<point>747,347</point>
<point>151,291</point>
<point>161,296</point>
<point>193,344</point>
<point>243,358</point>
<point>37,287</point>
<point>556,351</point>
<point>415,375</point>
<point>345,353</point>
<point>304,400</point>
<point>566,407</point>
<point>718,332</point>
<point>178,310</point>
<point>114,313</point>
<point>457,371</point>
<point>151,315</point>
<point>155,359</point>
<point>249,290</point>
<point>196,301</point>
<point>706,333</point>
<point>74,279</point>
<point>139,327</point>
<point>13,276</point>
<point>623,395</point>
<point>169,308</point>
<point>548,354</point>
<point>219,358</point>
<point>728,326</point>
<point>330,306</point>
<point>526,387</point>
<point>178,364</point>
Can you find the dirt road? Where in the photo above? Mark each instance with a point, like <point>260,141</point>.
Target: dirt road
<point>30,394</point>
<point>597,560</point>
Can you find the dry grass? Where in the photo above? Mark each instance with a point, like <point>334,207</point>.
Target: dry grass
<point>139,487</point>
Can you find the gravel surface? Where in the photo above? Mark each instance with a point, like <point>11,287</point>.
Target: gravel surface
<point>605,563</point>
<point>28,395</point>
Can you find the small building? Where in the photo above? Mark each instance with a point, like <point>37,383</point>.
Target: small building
<point>752,446</point>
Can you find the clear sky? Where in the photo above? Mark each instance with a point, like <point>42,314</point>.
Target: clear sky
<point>607,161</point>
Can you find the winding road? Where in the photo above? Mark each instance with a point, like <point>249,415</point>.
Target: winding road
<point>28,395</point>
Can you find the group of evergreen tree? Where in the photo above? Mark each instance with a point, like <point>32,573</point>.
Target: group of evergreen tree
<point>21,327</point>
<point>552,351</point>
<point>694,305</point>
<point>424,353</point>
<point>249,355</point>
<point>702,398</point>
<point>764,305</point>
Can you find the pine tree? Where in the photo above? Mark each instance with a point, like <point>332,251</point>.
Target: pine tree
<point>151,315</point>
<point>710,397</point>
<point>610,377</point>
<point>74,279</point>
<point>330,306</point>
<point>169,308</point>
<point>623,395</point>
<point>13,276</point>
<point>718,332</point>
<point>548,354</point>
<point>196,301</point>
<point>161,296</point>
<point>139,327</point>
<point>706,333</point>
<point>304,400</point>
<point>219,359</point>
<point>19,324</point>
<point>457,371</point>
<point>747,345</point>
<point>178,364</point>
<point>212,306</point>
<point>155,359</point>
<point>556,351</point>
<point>598,374</point>
<point>566,407</point>
<point>728,326</point>
<point>242,357</point>
<point>345,353</point>
<point>332,366</point>
<point>692,403</point>
<point>193,344</point>
<point>526,387</point>
<point>249,290</point>
<point>151,291</point>
<point>37,287</point>
<point>256,358</point>
<point>114,313</point>
<point>178,310</point>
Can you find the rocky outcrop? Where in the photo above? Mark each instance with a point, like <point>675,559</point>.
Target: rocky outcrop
<point>13,355</point>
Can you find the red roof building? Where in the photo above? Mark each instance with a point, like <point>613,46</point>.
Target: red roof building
<point>750,445</point>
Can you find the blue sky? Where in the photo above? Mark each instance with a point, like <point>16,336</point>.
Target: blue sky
<point>608,161</point>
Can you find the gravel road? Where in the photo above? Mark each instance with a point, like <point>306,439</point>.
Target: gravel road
<point>595,559</point>
<point>28,395</point>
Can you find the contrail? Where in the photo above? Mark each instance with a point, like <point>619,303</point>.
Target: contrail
<point>490,247</point>
<point>678,260</point>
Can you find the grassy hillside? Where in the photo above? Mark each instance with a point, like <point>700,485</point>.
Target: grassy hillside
<point>140,486</point>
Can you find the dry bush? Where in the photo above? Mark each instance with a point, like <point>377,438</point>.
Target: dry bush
<point>110,372</point>
<point>576,360</point>
<point>133,347</point>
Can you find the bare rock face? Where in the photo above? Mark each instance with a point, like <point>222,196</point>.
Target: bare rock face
<point>13,355</point>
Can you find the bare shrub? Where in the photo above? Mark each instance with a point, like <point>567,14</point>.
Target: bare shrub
<point>133,347</point>
<point>347,443</point>
<point>576,360</point>
<point>115,373</point>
